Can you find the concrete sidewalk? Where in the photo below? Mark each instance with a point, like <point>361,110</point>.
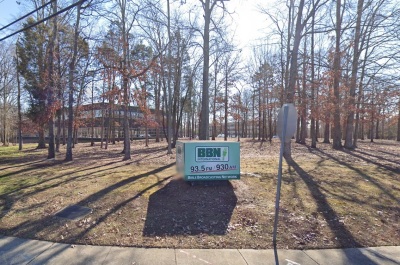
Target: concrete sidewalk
<point>23,251</point>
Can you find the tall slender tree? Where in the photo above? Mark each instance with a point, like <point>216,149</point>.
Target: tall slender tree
<point>51,84</point>
<point>72,66</point>
<point>353,83</point>
<point>337,131</point>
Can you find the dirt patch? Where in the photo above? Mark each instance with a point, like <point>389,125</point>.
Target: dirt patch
<point>329,198</point>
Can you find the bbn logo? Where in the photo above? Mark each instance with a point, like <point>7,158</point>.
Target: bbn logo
<point>212,154</point>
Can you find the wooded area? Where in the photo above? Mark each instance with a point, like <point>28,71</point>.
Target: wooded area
<point>180,64</point>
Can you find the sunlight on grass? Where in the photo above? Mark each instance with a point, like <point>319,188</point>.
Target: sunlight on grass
<point>326,193</point>
<point>13,152</point>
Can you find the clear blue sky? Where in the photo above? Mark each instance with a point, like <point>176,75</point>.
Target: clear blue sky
<point>9,11</point>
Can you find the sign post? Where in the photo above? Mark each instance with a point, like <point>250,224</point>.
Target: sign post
<point>286,128</point>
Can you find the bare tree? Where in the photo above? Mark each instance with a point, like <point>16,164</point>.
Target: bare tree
<point>353,83</point>
<point>230,66</point>
<point>72,65</point>
<point>18,102</point>
<point>208,7</point>
<point>7,92</point>
<point>51,84</point>
<point>291,72</point>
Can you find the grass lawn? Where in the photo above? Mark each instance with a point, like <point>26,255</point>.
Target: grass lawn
<point>329,198</point>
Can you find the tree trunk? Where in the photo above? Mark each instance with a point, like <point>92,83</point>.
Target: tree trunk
<point>337,138</point>
<point>19,105</point>
<point>157,96</point>
<point>290,27</point>
<point>60,96</point>
<point>264,114</point>
<point>64,133</point>
<point>41,140</point>
<point>287,152</point>
<point>165,110</point>
<point>259,112</point>
<point>5,129</point>
<point>68,155</point>
<point>168,99</point>
<point>226,106</point>
<point>93,118</point>
<point>50,89</point>
<point>109,121</point>
<point>113,126</point>
<point>270,129</point>
<point>58,134</point>
<point>303,116</point>
<point>357,122</point>
<point>238,131</point>
<point>298,130</point>
<point>102,116</point>
<point>371,130</point>
<point>253,125</point>
<point>205,111</point>
<point>313,130</point>
<point>377,135</point>
<point>362,128</point>
<point>192,135</point>
<point>127,142</point>
<point>383,124</point>
<point>353,82</point>
<point>214,129</point>
<point>175,113</point>
<point>326,133</point>
<point>398,123</point>
<point>75,138</point>
<point>179,121</point>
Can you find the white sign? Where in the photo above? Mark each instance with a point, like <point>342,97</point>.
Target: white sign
<point>291,122</point>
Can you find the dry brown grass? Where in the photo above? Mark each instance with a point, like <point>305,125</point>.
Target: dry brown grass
<point>329,198</point>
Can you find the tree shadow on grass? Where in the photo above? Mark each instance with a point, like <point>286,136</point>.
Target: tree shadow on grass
<point>33,167</point>
<point>378,143</point>
<point>29,229</point>
<point>7,199</point>
<point>17,163</point>
<point>364,175</point>
<point>344,237</point>
<point>386,152</point>
<point>362,157</point>
<point>197,210</point>
<point>57,177</point>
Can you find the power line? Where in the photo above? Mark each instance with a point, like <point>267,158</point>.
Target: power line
<point>30,13</point>
<point>44,19</point>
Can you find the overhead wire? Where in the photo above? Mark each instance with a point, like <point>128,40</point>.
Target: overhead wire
<point>44,19</point>
<point>30,13</point>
